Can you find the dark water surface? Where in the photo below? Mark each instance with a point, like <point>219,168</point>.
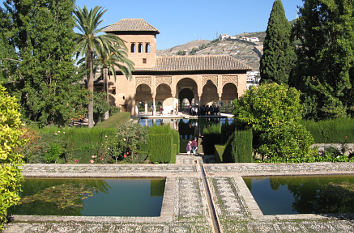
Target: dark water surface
<point>91,197</point>
<point>303,194</point>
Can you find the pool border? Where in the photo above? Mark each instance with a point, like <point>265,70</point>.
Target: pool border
<point>166,213</point>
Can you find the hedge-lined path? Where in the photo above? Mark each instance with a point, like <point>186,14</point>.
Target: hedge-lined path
<point>185,206</point>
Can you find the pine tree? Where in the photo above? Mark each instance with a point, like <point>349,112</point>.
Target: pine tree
<point>278,51</point>
<point>325,57</point>
<point>47,86</point>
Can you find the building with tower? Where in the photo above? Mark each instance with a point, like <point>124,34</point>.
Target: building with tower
<point>171,81</point>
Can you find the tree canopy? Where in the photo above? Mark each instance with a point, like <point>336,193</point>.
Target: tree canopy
<point>324,71</point>
<point>278,51</point>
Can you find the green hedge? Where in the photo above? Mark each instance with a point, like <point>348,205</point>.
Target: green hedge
<point>162,144</point>
<point>242,146</point>
<point>238,148</point>
<point>331,131</point>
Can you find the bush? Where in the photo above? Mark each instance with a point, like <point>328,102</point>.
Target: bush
<point>331,131</point>
<point>162,144</point>
<point>273,112</point>
<point>10,159</point>
<point>114,121</point>
<point>287,140</point>
<point>242,146</point>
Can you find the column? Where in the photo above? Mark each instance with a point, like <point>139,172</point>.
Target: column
<point>153,107</point>
<point>146,107</point>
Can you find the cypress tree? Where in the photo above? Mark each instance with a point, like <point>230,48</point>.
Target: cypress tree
<point>46,85</point>
<point>325,57</point>
<point>278,51</point>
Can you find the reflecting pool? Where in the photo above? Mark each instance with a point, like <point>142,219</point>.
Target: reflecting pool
<point>189,128</point>
<point>91,197</point>
<point>303,194</point>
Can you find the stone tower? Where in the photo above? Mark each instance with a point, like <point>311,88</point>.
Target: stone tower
<point>140,39</point>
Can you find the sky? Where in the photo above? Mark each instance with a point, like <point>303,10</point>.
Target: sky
<point>181,21</point>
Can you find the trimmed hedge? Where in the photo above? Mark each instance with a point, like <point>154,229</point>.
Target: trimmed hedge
<point>242,146</point>
<point>238,148</point>
<point>162,144</point>
<point>331,131</point>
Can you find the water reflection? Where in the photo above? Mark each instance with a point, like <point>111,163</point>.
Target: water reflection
<point>189,128</point>
<point>303,195</point>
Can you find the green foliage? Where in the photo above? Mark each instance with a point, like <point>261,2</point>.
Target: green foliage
<point>278,51</point>
<point>193,51</point>
<point>288,140</point>
<point>10,160</point>
<point>266,106</point>
<point>161,145</point>
<point>45,82</point>
<point>127,143</point>
<point>242,146</point>
<point>100,106</point>
<point>325,57</point>
<point>181,53</point>
<point>331,131</point>
<point>273,112</point>
<point>53,154</point>
<point>115,120</point>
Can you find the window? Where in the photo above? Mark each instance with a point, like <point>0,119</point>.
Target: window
<point>132,48</point>
<point>144,60</point>
<point>140,48</point>
<point>147,48</point>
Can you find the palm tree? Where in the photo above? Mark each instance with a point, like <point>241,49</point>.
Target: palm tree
<point>117,57</point>
<point>90,44</point>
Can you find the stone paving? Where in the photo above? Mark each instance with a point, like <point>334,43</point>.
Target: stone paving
<point>185,206</point>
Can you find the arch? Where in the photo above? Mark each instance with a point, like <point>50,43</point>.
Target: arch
<point>229,92</point>
<point>140,47</point>
<point>132,48</point>
<point>187,83</point>
<point>143,93</point>
<point>209,94</point>
<point>163,91</point>
<point>147,48</point>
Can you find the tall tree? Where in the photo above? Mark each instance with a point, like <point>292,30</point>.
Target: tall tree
<point>325,57</point>
<point>42,35</point>
<point>278,51</point>
<point>111,62</point>
<point>90,44</point>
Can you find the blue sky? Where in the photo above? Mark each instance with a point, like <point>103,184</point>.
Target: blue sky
<point>180,21</point>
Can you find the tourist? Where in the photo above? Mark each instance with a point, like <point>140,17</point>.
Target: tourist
<point>194,146</point>
<point>189,147</point>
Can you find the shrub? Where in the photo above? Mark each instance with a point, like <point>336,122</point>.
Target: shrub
<point>161,144</point>
<point>331,131</point>
<point>10,159</point>
<point>242,146</point>
<point>288,140</point>
<point>273,112</point>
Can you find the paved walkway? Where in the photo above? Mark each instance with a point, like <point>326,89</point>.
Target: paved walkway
<point>222,204</point>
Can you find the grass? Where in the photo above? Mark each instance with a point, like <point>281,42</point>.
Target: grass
<point>115,120</point>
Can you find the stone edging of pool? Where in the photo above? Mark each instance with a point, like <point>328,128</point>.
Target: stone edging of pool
<point>237,171</point>
<point>173,174</point>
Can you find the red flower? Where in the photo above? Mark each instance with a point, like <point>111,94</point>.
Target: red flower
<point>125,155</point>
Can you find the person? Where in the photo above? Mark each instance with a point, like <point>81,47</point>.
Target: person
<point>194,146</point>
<point>189,147</point>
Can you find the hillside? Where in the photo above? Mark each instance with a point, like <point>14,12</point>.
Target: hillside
<point>248,52</point>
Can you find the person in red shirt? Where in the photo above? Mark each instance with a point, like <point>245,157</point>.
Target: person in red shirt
<point>194,146</point>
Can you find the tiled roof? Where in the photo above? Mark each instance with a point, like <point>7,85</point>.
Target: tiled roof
<point>131,25</point>
<point>199,63</point>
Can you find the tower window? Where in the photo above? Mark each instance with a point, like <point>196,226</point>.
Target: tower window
<point>144,60</point>
<point>132,48</point>
<point>140,48</point>
<point>147,48</point>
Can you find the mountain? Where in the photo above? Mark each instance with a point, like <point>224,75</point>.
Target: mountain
<point>236,46</point>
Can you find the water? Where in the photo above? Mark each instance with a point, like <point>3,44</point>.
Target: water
<point>303,195</point>
<point>188,128</point>
<point>91,197</point>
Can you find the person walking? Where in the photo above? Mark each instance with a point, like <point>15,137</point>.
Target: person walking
<point>189,147</point>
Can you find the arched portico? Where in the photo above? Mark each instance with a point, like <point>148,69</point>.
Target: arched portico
<point>209,93</point>
<point>229,93</point>
<point>143,94</point>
